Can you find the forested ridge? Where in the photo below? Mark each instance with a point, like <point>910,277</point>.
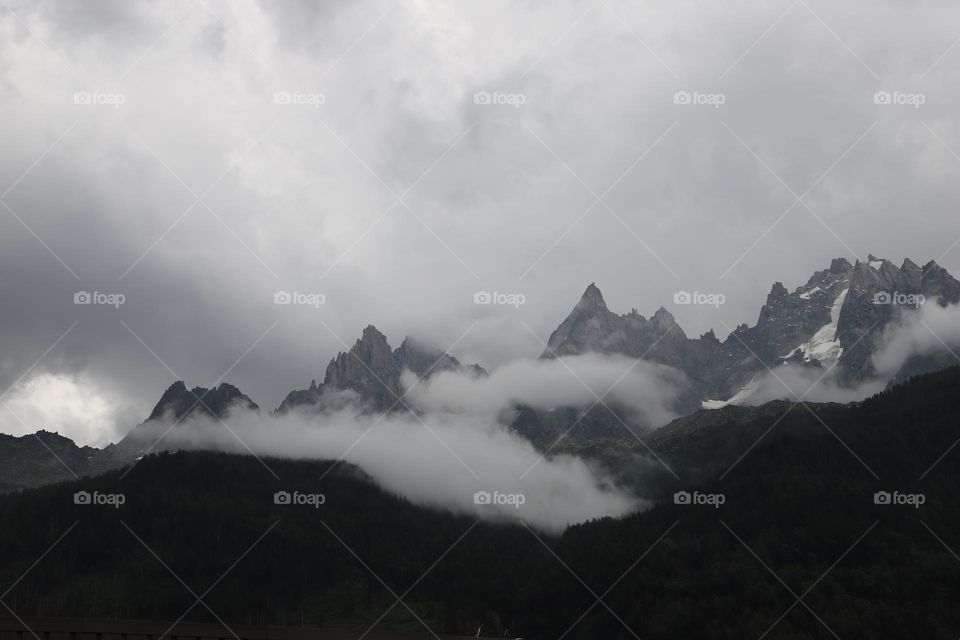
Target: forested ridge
<point>799,507</point>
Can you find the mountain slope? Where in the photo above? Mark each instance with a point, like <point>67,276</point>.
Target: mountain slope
<point>44,457</point>
<point>799,508</point>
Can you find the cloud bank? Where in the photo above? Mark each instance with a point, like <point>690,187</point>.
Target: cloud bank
<point>929,330</point>
<point>455,442</point>
<point>645,388</point>
<point>438,461</point>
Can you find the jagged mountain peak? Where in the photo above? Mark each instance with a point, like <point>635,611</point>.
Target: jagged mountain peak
<point>909,265</point>
<point>592,327</point>
<point>840,265</point>
<point>663,318</point>
<point>372,371</point>
<point>371,335</point>
<point>821,322</point>
<point>777,291</point>
<point>168,399</point>
<point>177,401</point>
<point>592,300</point>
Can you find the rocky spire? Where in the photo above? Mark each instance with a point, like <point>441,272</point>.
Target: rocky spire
<point>592,300</point>
<point>177,401</point>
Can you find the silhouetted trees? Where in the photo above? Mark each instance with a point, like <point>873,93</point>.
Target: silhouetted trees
<point>794,508</point>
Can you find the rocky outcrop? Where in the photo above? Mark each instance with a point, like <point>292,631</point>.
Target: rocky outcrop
<point>880,293</point>
<point>177,401</point>
<point>372,371</point>
<point>833,319</point>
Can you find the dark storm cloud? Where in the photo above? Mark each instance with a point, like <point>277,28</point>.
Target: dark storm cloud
<point>390,186</point>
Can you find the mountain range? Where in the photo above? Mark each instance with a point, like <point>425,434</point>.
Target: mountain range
<point>833,321</point>
<point>829,320</point>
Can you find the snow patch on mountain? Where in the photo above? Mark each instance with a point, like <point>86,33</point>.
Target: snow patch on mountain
<point>738,398</point>
<point>824,345</point>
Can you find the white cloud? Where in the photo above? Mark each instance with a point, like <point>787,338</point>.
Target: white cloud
<point>441,461</point>
<point>931,329</point>
<point>646,388</point>
<point>69,404</point>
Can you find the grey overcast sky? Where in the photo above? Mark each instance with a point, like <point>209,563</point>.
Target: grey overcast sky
<point>397,157</point>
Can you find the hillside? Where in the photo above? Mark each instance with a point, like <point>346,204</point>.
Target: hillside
<point>799,500</point>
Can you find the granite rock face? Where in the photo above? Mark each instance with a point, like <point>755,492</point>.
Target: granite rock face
<point>879,293</point>
<point>833,319</point>
<point>372,371</point>
<point>178,402</point>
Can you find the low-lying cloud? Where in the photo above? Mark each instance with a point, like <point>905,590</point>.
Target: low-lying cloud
<point>647,389</point>
<point>931,329</point>
<point>436,460</point>
<point>811,384</point>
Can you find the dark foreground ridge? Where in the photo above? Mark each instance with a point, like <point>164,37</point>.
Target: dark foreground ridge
<point>801,506</point>
<point>62,628</point>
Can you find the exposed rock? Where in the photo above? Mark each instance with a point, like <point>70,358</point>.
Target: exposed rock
<point>372,371</point>
<point>177,402</point>
<point>832,319</point>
